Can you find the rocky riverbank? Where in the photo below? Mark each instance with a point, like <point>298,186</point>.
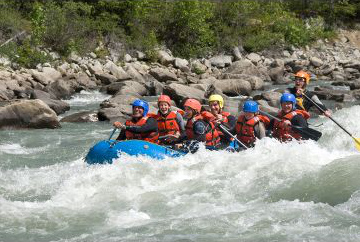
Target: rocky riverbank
<point>32,98</point>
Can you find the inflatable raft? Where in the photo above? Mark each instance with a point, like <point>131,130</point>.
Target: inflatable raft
<point>107,150</point>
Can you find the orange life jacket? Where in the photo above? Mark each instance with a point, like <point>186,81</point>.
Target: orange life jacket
<point>245,128</point>
<point>212,137</point>
<point>167,125</point>
<point>286,133</point>
<point>148,136</point>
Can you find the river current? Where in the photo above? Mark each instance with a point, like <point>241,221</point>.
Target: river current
<point>304,191</point>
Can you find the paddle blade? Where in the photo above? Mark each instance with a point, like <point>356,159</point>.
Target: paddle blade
<point>357,143</point>
<point>308,133</point>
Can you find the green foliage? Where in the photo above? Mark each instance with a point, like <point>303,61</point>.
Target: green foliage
<point>25,55</point>
<point>188,31</point>
<point>38,24</point>
<point>11,22</point>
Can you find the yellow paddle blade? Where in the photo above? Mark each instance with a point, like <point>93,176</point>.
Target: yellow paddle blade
<point>357,143</point>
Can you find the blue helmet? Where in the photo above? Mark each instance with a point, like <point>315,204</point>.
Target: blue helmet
<point>143,104</point>
<point>251,107</point>
<point>288,97</point>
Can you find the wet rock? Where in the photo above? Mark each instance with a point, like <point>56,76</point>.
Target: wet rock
<point>81,117</point>
<point>27,114</point>
<point>57,105</point>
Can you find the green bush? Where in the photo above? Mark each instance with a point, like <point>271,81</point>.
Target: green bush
<point>11,22</point>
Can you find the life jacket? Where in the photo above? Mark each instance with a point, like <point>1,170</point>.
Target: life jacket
<point>245,131</point>
<point>148,136</point>
<point>167,125</point>
<point>212,137</point>
<point>225,120</point>
<point>286,134</point>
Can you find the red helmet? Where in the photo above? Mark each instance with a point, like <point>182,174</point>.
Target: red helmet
<point>164,98</point>
<point>193,104</point>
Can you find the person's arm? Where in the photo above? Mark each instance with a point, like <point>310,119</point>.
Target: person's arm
<point>180,121</point>
<point>260,131</point>
<point>122,135</point>
<point>149,126</point>
<point>318,102</point>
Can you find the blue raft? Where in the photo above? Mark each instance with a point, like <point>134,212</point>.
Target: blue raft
<point>105,151</point>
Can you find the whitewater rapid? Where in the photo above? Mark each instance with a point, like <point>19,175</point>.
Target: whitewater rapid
<point>273,192</point>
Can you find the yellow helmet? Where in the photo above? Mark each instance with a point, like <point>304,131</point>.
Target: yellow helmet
<point>304,75</point>
<point>218,98</point>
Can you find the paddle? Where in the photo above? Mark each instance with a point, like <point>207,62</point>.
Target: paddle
<point>306,132</point>
<point>233,136</point>
<point>112,133</point>
<point>357,140</point>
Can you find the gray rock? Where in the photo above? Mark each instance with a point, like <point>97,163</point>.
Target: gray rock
<point>179,93</point>
<point>140,55</point>
<point>273,98</point>
<point>127,87</point>
<point>197,67</point>
<point>316,61</point>
<point>233,87</point>
<point>27,114</point>
<point>60,88</point>
<point>95,68</point>
<point>247,67</point>
<point>117,71</point>
<point>181,64</point>
<point>165,58</point>
<point>57,105</point>
<point>237,53</point>
<point>277,75</point>
<point>163,75</point>
<point>127,58</point>
<point>106,78</point>
<point>117,108</point>
<point>254,58</point>
<point>134,74</point>
<point>256,82</point>
<point>82,117</point>
<point>221,61</point>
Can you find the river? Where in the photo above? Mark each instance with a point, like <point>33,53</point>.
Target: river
<point>273,192</point>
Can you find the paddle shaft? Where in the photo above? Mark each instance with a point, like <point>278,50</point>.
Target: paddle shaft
<point>323,111</point>
<point>112,133</point>
<point>233,136</point>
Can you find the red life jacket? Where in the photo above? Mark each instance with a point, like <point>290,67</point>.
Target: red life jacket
<point>225,120</point>
<point>148,136</point>
<point>286,134</point>
<point>212,137</point>
<point>245,128</point>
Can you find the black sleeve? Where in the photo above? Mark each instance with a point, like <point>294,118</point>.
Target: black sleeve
<point>231,122</point>
<point>149,126</point>
<point>299,120</point>
<point>122,135</point>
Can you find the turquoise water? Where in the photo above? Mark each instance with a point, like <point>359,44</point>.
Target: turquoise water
<point>274,192</point>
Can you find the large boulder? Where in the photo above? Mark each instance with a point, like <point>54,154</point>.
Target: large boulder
<point>277,75</point>
<point>60,88</point>
<point>163,75</point>
<point>117,71</point>
<point>256,82</point>
<point>127,87</point>
<point>179,93</point>
<point>165,58</point>
<point>117,108</point>
<point>233,87</point>
<point>221,61</point>
<point>57,105</point>
<point>28,114</point>
<point>248,68</point>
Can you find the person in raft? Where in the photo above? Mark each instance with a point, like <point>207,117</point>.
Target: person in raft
<point>140,126</point>
<point>200,127</point>
<point>288,116</point>
<point>302,79</point>
<point>171,125</point>
<point>250,124</point>
<point>216,104</point>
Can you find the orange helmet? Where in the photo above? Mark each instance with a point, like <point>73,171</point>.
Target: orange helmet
<point>164,98</point>
<point>303,74</point>
<point>193,104</point>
